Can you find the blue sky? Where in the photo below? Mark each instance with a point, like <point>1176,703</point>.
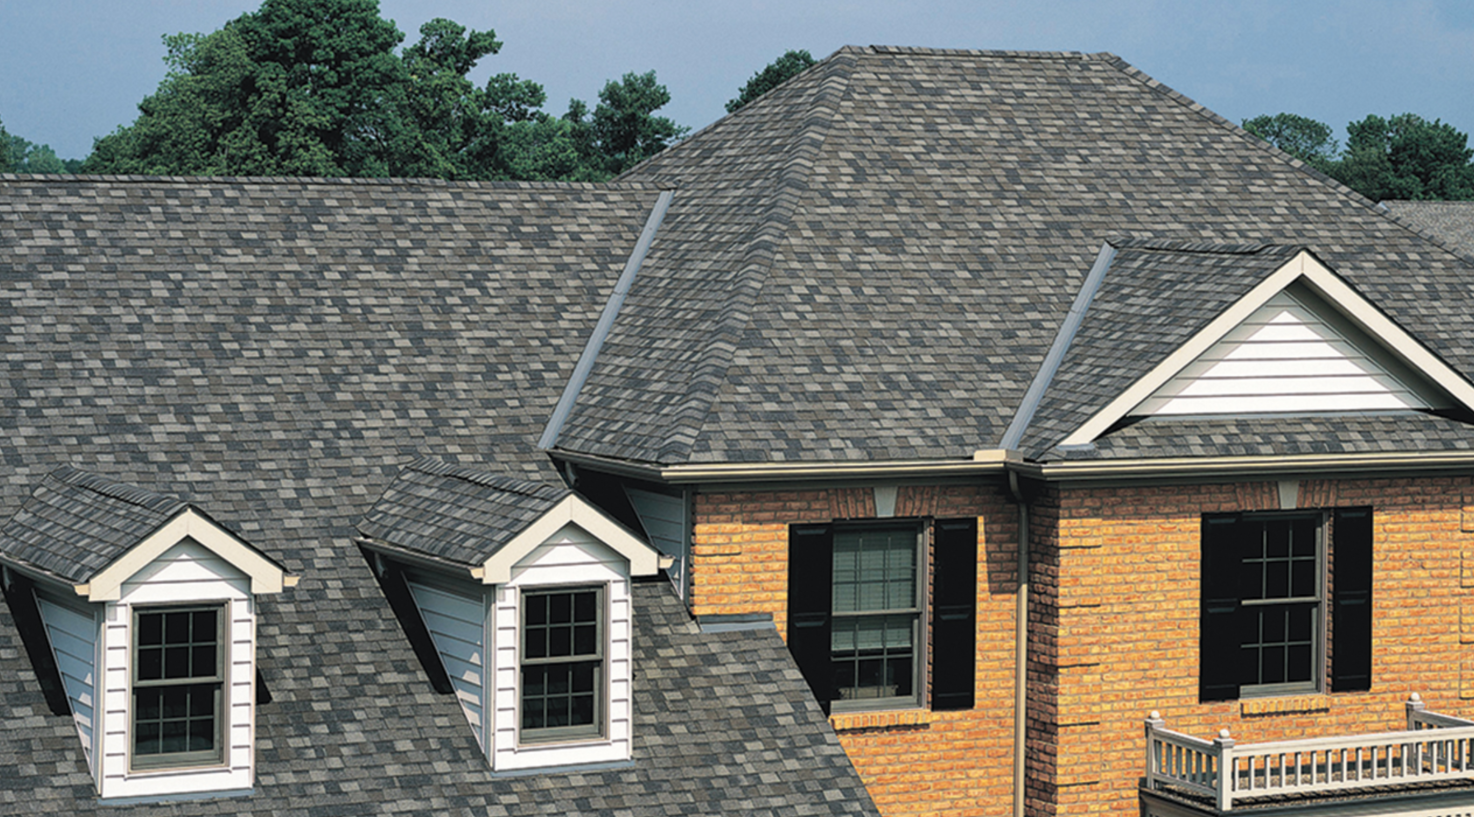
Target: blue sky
<point>72,70</point>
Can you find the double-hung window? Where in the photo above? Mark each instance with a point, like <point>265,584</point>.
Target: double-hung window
<point>562,695</point>
<point>857,594</point>
<point>1275,586</point>
<point>178,685</point>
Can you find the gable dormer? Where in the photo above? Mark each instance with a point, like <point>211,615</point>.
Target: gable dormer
<point>1177,330</point>
<point>144,602</point>
<point>515,595</point>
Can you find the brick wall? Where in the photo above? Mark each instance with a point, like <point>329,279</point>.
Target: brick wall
<point>913,762</point>
<point>1127,631</point>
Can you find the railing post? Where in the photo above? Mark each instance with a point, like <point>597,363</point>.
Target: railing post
<point>1226,778</point>
<point>1153,723</point>
<point>1414,706</point>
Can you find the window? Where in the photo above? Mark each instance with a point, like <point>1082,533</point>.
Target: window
<point>562,664</point>
<point>857,593</point>
<point>1275,587</point>
<point>178,680</point>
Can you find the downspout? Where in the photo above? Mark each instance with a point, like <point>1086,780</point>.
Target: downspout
<point>1021,648</point>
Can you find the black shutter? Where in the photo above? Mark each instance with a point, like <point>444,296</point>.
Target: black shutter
<point>1218,644</point>
<point>954,602</point>
<point>1351,600</point>
<point>810,569</point>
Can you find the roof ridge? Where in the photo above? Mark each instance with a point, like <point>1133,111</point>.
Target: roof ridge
<point>1185,246</point>
<point>489,479</point>
<point>973,52</point>
<point>715,359</point>
<point>333,181</point>
<point>120,491</point>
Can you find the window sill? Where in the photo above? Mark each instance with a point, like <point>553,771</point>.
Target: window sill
<point>1284,705</point>
<point>885,720</point>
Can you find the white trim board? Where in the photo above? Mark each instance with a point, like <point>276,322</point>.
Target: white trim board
<point>1304,268</point>
<point>265,575</point>
<point>644,560</point>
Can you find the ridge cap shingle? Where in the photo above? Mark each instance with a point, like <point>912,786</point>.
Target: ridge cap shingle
<point>120,491</point>
<point>502,482</point>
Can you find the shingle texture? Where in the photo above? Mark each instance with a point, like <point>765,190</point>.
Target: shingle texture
<point>871,262</point>
<point>1451,222</point>
<point>75,523</point>
<point>276,351</point>
<point>460,514</point>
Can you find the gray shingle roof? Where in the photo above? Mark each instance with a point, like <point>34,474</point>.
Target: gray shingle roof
<point>1138,317</point>
<point>1451,222</point>
<point>460,514</point>
<point>871,262</point>
<point>75,523</point>
<point>276,350</point>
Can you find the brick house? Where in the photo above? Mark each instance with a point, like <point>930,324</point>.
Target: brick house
<point>945,433</point>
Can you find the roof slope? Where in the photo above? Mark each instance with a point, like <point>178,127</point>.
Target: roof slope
<point>460,514</point>
<point>338,746</point>
<point>1452,222</point>
<point>923,232</point>
<point>75,523</point>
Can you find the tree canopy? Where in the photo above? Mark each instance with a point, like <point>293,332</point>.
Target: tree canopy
<point>19,155</point>
<point>1401,157</point>
<point>776,73</point>
<point>316,88</point>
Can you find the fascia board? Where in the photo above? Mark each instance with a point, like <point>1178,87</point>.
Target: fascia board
<point>1371,320</point>
<point>266,576</point>
<point>644,560</point>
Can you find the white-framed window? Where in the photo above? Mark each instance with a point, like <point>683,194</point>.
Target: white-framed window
<point>562,685</point>
<point>178,686</point>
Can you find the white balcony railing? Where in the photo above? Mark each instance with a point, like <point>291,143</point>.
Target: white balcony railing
<point>1433,748</point>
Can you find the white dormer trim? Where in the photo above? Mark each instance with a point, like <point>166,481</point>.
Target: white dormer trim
<point>644,560</point>
<point>1306,268</point>
<point>265,575</point>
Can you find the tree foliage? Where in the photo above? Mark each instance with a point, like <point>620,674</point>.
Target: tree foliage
<point>777,72</point>
<point>19,155</point>
<point>1406,157</point>
<point>316,88</point>
<point>1304,138</point>
<point>1401,157</point>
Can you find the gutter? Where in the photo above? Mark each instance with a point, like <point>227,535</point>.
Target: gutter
<point>414,557</point>
<point>995,461</point>
<point>1258,467</point>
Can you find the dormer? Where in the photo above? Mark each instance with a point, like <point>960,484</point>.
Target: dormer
<point>516,597</point>
<point>142,614</point>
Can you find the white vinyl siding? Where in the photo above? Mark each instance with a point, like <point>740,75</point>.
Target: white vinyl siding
<point>664,519</point>
<point>187,573</point>
<point>569,557</point>
<point>73,636</point>
<point>456,621</point>
<point>1294,354</point>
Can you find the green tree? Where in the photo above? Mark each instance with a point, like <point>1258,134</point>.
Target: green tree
<point>1304,138</point>
<point>623,130</point>
<point>1406,157</point>
<point>4,149</point>
<point>777,72</point>
<point>315,88</point>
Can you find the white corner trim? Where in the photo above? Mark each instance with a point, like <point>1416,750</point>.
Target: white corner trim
<point>644,560</point>
<point>265,576</point>
<point>1324,283</point>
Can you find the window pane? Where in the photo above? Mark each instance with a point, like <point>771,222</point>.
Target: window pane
<point>1279,644</point>
<point>874,570</point>
<point>873,656</point>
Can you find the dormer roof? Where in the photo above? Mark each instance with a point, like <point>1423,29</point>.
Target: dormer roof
<point>485,521</point>
<point>94,533</point>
